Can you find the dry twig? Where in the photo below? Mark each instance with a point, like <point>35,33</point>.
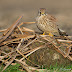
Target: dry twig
<point>15,37</point>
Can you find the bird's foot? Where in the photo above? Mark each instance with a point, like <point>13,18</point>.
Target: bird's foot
<point>50,34</point>
<point>44,33</point>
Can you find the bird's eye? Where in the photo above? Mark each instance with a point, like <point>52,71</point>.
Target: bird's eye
<point>40,13</point>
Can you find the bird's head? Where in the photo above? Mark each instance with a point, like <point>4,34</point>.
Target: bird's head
<point>42,11</point>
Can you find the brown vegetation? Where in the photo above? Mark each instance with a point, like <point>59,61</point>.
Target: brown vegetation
<point>18,42</point>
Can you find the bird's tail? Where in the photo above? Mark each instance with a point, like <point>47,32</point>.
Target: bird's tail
<point>62,32</point>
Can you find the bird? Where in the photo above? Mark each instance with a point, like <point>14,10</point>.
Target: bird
<point>47,23</point>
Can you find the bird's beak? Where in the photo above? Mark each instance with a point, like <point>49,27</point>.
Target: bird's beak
<point>42,13</point>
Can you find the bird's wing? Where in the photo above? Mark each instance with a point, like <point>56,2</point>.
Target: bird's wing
<point>52,21</point>
<point>52,18</point>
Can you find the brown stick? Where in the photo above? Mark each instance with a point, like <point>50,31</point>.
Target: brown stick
<point>68,50</point>
<point>14,25</point>
<point>24,65</point>
<point>26,23</point>
<point>26,29</point>
<point>31,36</point>
<point>3,30</point>
<point>9,63</point>
<point>32,51</point>
<point>64,40</point>
<point>21,39</point>
<point>6,55</point>
<point>30,43</point>
<point>56,48</point>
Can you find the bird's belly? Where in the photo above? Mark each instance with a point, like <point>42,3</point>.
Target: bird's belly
<point>46,28</point>
<point>43,24</point>
<point>43,27</point>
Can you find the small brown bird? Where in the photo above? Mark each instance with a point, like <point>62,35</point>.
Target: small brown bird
<point>47,23</point>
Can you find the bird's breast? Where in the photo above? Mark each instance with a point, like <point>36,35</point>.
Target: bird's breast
<point>41,23</point>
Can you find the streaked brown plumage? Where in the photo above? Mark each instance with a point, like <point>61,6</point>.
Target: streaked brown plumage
<point>46,22</point>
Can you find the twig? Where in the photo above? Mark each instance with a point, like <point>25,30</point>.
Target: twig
<point>64,40</point>
<point>26,29</point>
<point>29,43</point>
<point>24,65</point>
<point>26,23</point>
<point>9,63</point>
<point>39,70</point>
<point>69,57</point>
<point>17,21</point>
<point>25,56</point>
<point>6,55</point>
<point>11,29</point>
<point>19,35</point>
<point>3,30</point>
<point>32,51</point>
<point>68,50</point>
<point>25,37</point>
<point>55,47</point>
<point>7,59</point>
<point>20,30</point>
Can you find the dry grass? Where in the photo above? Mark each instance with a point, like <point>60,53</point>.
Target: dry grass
<point>21,41</point>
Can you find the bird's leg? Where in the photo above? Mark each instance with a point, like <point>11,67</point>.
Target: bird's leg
<point>44,33</point>
<point>50,34</point>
